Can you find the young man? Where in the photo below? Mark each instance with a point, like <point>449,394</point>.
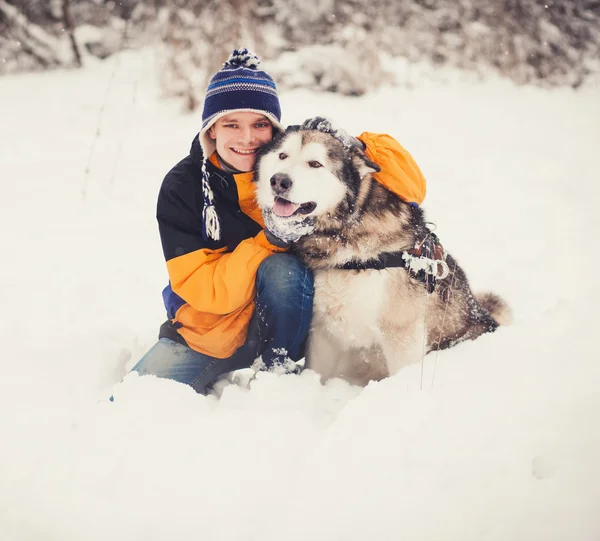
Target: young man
<point>234,295</point>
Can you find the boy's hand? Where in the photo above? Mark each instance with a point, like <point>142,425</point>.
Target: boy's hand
<point>283,233</point>
<point>328,126</point>
<point>275,240</point>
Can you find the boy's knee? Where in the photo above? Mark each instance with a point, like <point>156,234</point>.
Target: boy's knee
<point>282,267</point>
<point>284,273</point>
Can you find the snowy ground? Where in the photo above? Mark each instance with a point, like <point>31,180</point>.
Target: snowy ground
<point>496,439</point>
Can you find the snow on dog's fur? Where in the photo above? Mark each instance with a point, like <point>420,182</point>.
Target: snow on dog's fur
<point>317,191</point>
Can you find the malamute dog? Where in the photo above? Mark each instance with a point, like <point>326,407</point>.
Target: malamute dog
<point>385,291</point>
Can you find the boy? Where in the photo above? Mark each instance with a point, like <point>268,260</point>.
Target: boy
<point>234,294</point>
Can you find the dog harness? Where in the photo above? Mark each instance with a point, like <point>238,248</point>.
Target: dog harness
<point>426,262</point>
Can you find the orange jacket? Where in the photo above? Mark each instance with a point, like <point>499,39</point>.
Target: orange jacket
<point>210,296</point>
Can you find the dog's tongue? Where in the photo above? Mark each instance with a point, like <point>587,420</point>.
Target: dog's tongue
<point>284,208</point>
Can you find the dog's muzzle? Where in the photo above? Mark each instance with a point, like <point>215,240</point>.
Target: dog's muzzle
<point>280,183</point>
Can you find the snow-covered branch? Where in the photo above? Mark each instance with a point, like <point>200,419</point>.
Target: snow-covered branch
<point>546,42</point>
<point>25,42</point>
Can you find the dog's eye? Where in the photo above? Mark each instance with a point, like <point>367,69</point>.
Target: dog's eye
<point>314,164</point>
<point>282,155</point>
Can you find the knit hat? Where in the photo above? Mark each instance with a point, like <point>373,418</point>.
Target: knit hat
<point>238,86</point>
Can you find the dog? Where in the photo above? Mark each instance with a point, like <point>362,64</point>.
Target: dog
<point>386,293</point>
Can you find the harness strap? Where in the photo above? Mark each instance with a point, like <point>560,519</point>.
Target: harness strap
<point>426,263</point>
<point>385,260</point>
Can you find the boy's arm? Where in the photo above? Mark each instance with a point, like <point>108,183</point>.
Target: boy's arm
<point>399,171</point>
<point>207,277</point>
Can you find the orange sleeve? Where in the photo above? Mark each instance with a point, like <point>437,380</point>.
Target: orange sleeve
<point>217,281</point>
<point>399,171</point>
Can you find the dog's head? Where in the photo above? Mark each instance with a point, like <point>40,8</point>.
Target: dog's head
<point>305,173</point>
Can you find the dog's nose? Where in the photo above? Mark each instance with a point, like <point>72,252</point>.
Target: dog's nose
<point>281,182</point>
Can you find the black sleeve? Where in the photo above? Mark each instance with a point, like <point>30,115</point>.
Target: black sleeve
<point>179,215</point>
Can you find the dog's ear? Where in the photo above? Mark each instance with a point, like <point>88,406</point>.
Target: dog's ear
<point>363,165</point>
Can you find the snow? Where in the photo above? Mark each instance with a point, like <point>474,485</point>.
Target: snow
<point>494,439</point>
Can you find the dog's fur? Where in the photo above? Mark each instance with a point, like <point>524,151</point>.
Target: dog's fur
<point>367,324</point>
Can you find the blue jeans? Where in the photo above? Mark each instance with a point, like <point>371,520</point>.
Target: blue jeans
<point>278,329</point>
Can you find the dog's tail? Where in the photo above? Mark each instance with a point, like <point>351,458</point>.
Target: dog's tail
<point>496,306</point>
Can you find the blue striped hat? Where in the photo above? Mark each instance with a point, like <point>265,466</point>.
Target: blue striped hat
<point>238,86</point>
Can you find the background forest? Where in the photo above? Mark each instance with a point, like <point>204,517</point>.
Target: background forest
<point>333,45</point>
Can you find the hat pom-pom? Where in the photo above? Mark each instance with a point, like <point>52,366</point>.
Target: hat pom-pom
<point>242,58</point>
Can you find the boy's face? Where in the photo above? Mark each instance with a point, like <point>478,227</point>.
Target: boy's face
<point>238,136</point>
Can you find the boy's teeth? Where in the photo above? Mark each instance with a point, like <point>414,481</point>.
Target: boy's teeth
<point>243,151</point>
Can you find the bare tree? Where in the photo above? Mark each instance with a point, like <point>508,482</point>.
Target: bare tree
<point>70,27</point>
